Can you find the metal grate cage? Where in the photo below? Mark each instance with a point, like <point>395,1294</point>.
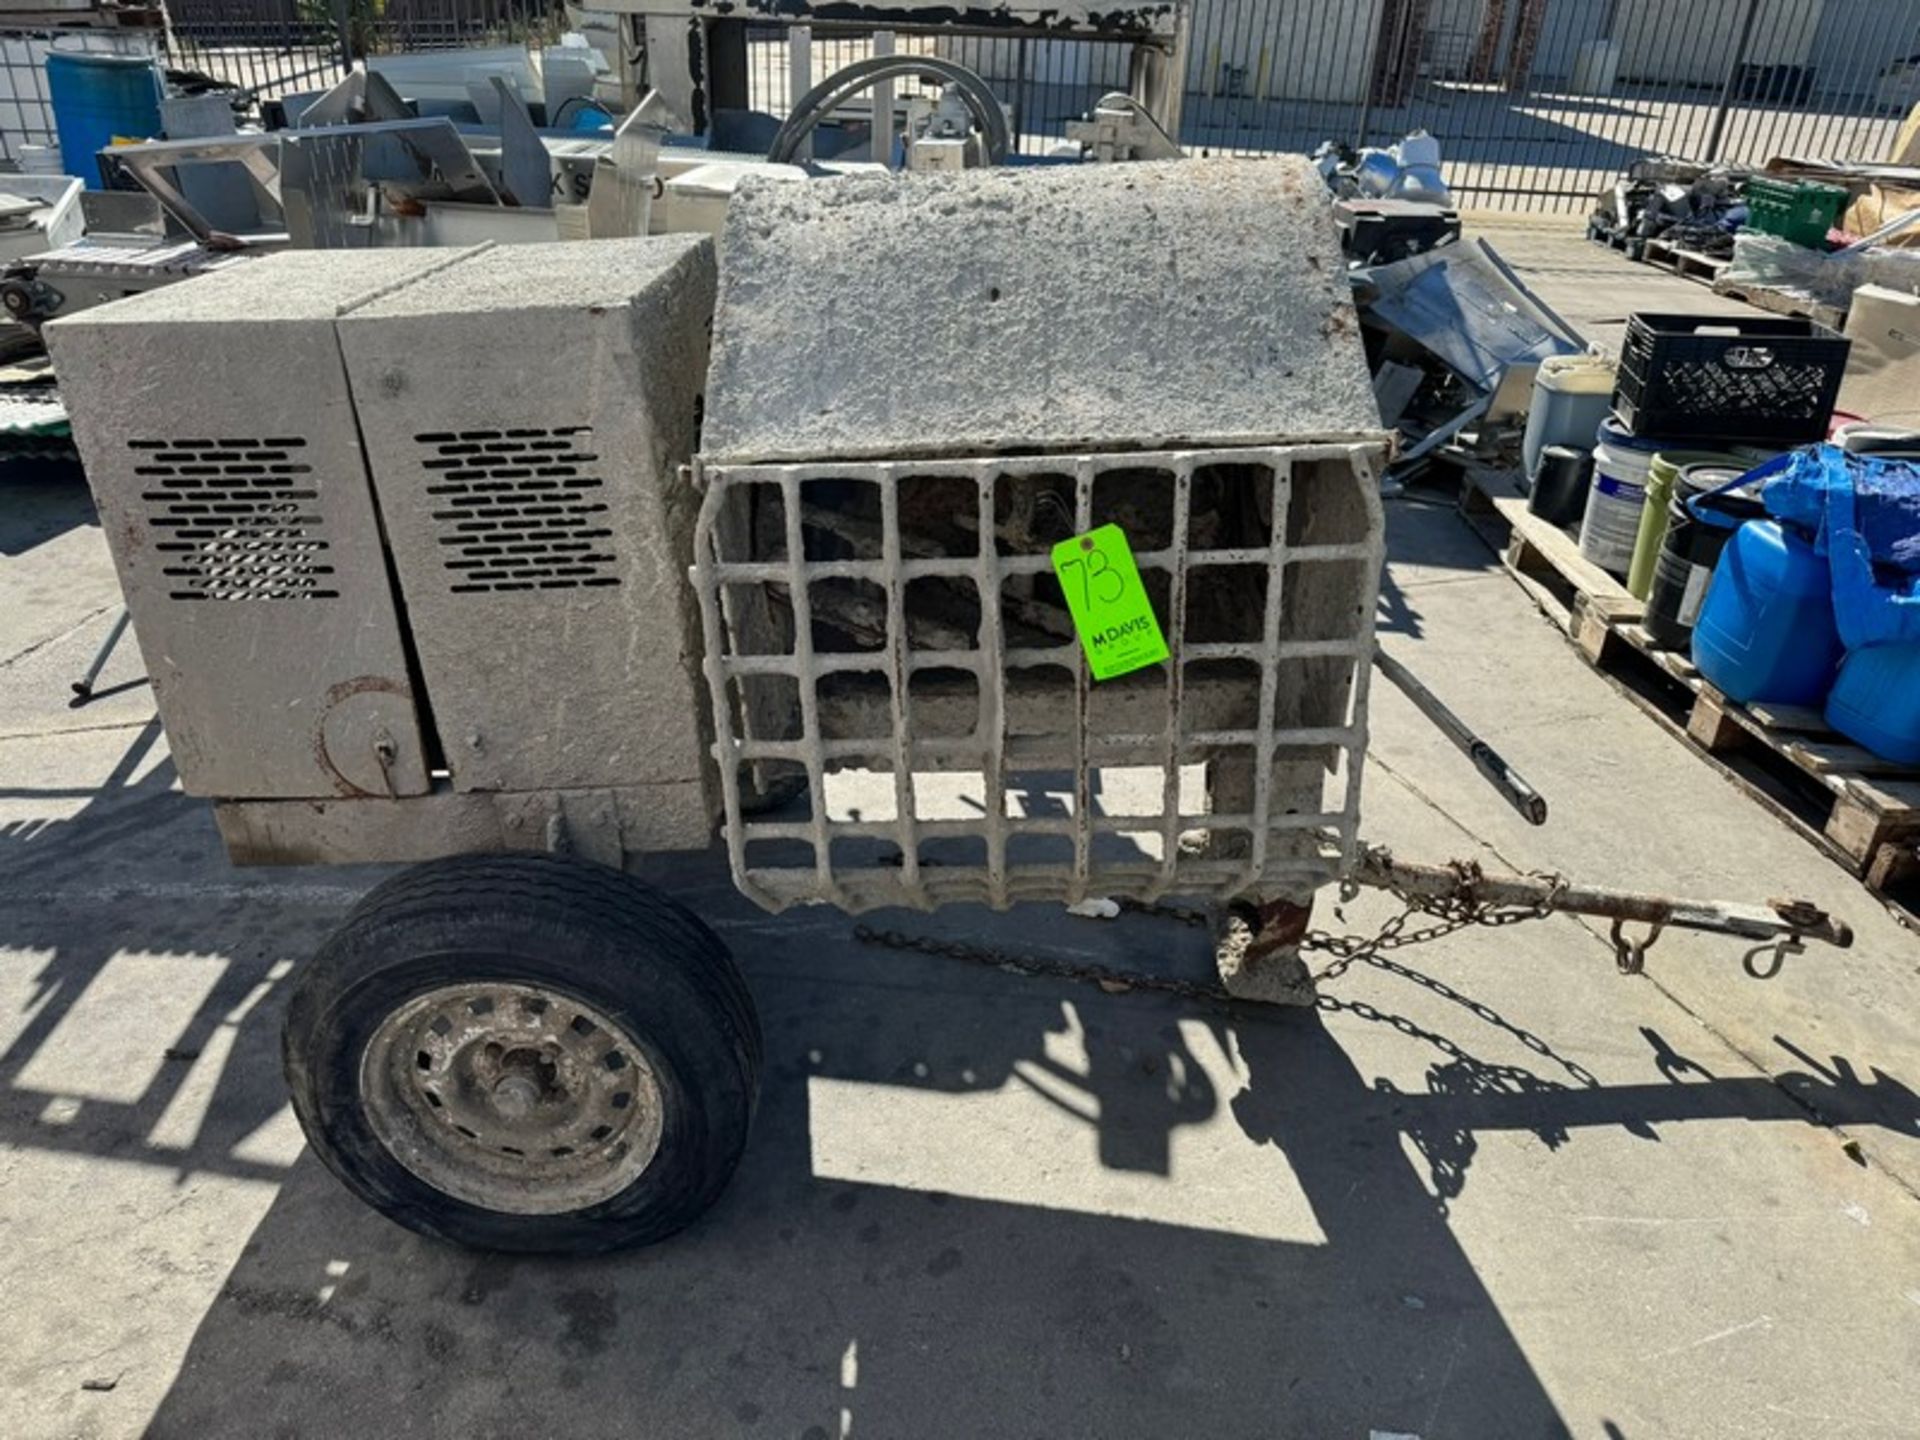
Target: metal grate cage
<point>851,626</point>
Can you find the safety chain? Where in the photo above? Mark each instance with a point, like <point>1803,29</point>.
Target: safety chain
<point>1105,976</point>
<point>1455,912</point>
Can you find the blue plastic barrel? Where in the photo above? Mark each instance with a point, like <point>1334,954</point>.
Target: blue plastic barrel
<point>1766,629</point>
<point>96,99</point>
<point>1876,701</point>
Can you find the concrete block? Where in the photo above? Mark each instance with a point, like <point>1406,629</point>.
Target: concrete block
<point>526,414</point>
<point>1159,305</point>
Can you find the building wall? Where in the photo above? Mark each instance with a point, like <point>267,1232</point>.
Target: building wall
<point>1693,43</point>
<point>1570,24</point>
<point>1856,41</point>
<point>1453,30</point>
<point>1283,49</point>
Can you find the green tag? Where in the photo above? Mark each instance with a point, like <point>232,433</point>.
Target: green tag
<point>1109,604</point>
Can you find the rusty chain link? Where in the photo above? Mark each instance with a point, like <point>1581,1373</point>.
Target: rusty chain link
<point>1455,913</point>
<point>1104,976</point>
<point>1348,950</point>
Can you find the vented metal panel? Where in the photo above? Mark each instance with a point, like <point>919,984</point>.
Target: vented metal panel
<point>235,519</point>
<point>1271,640</point>
<point>220,443</point>
<point>519,509</point>
<point>526,415</point>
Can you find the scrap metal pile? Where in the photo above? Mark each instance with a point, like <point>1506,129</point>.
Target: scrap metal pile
<point>1694,207</point>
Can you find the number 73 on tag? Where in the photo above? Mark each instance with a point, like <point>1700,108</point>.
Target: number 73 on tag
<point>1108,603</point>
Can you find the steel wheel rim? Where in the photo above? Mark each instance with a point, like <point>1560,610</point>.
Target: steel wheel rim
<point>512,1097</point>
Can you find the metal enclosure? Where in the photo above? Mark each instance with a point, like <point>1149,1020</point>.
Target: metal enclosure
<point>526,413</point>
<point>887,463</point>
<point>502,435</point>
<point>220,442</point>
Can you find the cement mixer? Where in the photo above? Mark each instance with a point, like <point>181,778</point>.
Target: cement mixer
<point>1012,482</point>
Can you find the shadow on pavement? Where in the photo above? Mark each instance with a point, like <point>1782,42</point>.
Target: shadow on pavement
<point>818,1299</point>
<point>46,502</point>
<point>819,1307</point>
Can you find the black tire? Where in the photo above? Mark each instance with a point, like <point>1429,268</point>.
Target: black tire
<point>573,928</point>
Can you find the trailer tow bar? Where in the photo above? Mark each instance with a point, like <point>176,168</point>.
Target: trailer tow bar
<point>1463,884</point>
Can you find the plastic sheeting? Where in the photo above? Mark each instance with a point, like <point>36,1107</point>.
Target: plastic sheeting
<point>1865,516</point>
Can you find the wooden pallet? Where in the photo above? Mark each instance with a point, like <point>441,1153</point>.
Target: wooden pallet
<point>1541,557</point>
<point>1850,802</point>
<point>1859,809</point>
<point>1783,302</point>
<point>1631,246</point>
<point>1688,263</point>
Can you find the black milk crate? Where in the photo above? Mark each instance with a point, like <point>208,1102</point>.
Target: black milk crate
<point>1687,377</point>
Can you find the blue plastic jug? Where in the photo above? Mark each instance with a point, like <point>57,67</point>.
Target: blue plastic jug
<point>1766,629</point>
<point>1876,701</point>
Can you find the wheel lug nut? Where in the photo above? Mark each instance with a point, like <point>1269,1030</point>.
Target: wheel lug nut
<point>515,1096</point>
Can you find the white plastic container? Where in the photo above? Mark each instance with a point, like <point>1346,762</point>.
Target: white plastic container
<point>1571,396</point>
<point>697,199</point>
<point>40,160</point>
<point>1611,525</point>
<point>1884,326</point>
<point>1418,148</point>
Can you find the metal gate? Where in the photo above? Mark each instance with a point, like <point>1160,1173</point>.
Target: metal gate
<point>276,48</point>
<point>1539,103</point>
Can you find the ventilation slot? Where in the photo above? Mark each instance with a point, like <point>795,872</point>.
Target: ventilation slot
<point>519,509</point>
<point>234,519</point>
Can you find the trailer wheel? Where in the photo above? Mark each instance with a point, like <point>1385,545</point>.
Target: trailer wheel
<point>525,1053</point>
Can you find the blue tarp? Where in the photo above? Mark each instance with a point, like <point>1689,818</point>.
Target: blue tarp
<point>1864,514</point>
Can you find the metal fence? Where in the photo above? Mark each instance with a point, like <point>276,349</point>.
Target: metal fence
<point>1539,103</point>
<point>281,47</point>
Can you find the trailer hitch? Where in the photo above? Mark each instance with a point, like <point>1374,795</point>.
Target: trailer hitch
<point>1464,885</point>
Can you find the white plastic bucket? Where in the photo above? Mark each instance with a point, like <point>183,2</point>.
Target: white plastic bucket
<point>1611,525</point>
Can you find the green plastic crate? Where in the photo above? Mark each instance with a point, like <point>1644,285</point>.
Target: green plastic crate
<point>1798,210</point>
